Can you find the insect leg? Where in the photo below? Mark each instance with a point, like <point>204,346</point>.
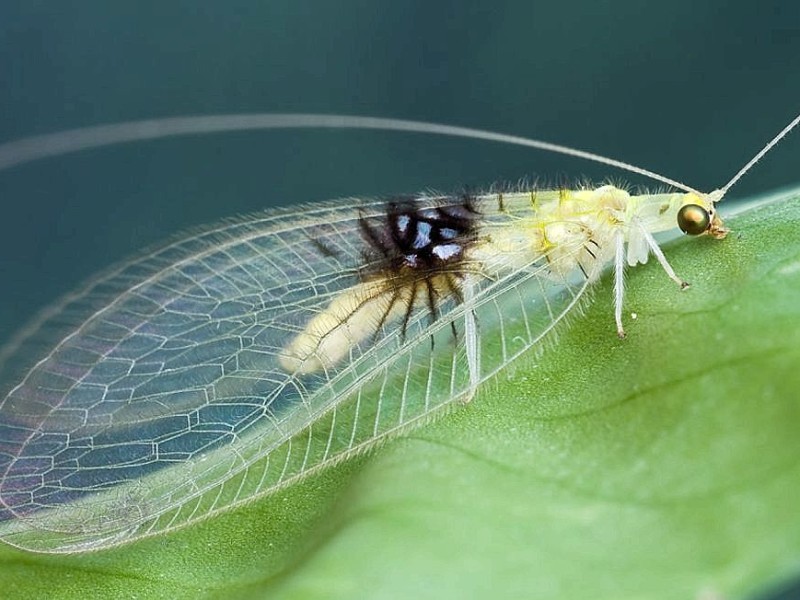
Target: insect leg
<point>472,341</point>
<point>619,280</point>
<point>662,260</point>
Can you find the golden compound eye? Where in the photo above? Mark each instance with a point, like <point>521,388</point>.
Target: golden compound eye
<point>693,219</point>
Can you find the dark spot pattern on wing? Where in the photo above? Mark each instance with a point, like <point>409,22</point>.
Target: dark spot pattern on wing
<point>416,240</point>
<point>420,244</point>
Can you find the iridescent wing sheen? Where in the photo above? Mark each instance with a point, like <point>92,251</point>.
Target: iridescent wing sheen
<point>165,401</point>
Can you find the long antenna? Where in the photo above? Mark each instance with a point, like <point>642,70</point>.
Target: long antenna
<point>781,134</point>
<point>33,148</point>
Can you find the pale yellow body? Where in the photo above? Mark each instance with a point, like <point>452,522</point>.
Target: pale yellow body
<point>581,229</point>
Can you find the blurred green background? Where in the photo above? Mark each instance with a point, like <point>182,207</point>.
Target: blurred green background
<point>689,89</point>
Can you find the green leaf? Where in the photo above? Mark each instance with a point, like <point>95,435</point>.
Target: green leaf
<point>665,465</point>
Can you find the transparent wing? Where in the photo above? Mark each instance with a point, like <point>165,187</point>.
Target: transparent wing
<point>168,401</point>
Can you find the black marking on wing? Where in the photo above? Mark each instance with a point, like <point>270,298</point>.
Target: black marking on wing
<point>417,241</point>
<point>422,247</point>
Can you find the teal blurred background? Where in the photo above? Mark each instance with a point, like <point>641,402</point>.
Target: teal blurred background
<point>686,88</point>
<point>689,89</point>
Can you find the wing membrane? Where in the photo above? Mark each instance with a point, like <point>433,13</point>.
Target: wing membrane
<point>168,401</point>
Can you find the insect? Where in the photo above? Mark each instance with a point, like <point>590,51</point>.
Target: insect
<point>255,352</point>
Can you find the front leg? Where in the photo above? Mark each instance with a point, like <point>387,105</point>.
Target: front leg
<point>662,260</point>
